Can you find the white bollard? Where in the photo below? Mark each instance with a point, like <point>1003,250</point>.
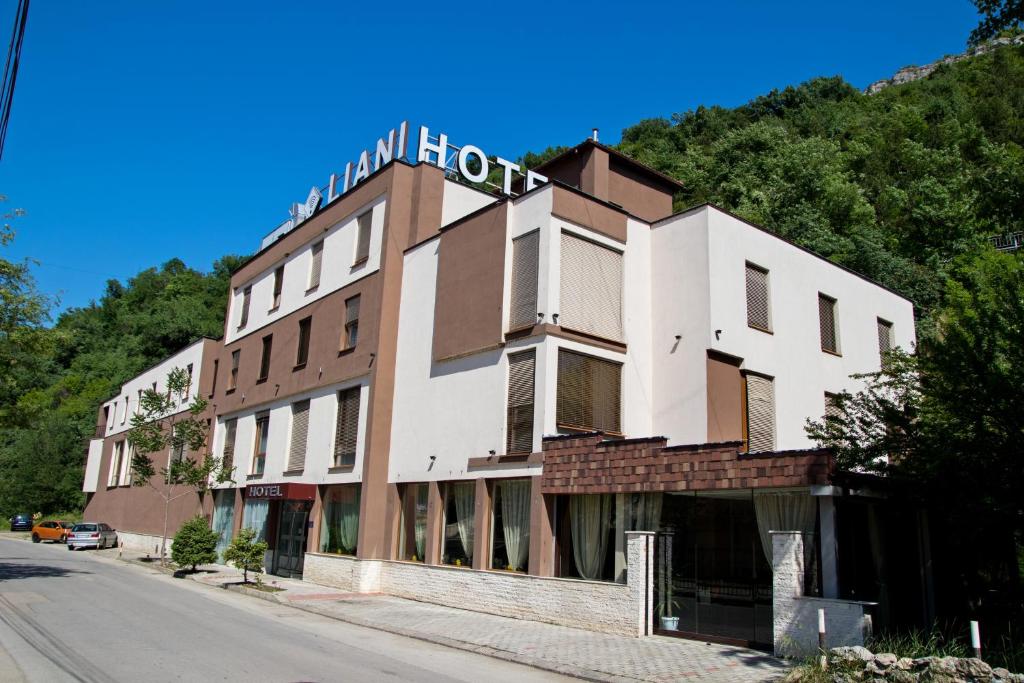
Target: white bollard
<point>821,638</point>
<point>976,639</point>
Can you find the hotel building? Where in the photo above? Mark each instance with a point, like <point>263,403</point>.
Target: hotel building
<point>434,377</point>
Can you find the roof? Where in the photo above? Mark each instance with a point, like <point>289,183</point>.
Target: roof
<point>644,169</point>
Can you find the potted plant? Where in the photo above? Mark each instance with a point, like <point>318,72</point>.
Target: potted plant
<point>667,614</point>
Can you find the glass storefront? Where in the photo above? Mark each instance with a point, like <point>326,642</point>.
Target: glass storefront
<point>223,520</point>
<point>339,528</point>
<point>510,530</point>
<point>459,517</point>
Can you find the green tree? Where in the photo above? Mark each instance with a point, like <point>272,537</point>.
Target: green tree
<point>169,423</point>
<point>997,16</point>
<point>246,553</point>
<point>194,544</point>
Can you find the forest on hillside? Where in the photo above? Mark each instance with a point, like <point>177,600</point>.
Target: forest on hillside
<point>906,186</point>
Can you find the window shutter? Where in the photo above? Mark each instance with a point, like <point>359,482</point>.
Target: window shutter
<point>521,373</point>
<point>760,414</point>
<point>757,298</point>
<point>347,428</point>
<point>352,309</point>
<point>884,337</point>
<point>246,297</point>
<point>364,226</point>
<point>523,305</point>
<point>827,321</point>
<point>230,428</point>
<point>317,265</point>
<point>300,430</point>
<point>588,392</point>
<point>591,288</point>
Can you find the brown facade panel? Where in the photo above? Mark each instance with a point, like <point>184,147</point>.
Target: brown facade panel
<point>470,283</point>
<point>641,195</point>
<point>581,210</point>
<point>725,398</point>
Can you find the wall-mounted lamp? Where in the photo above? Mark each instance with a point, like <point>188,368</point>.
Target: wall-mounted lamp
<point>718,334</point>
<point>678,337</point>
<point>540,316</point>
<point>554,318</point>
<point>433,458</point>
<point>491,451</point>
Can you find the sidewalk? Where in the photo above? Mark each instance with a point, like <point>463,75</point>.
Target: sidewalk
<point>574,652</point>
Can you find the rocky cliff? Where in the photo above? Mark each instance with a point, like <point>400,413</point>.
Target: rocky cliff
<point>912,73</point>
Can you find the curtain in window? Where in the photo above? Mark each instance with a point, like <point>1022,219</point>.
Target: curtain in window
<point>643,512</point>
<point>590,518</point>
<point>223,516</point>
<point>420,522</point>
<point>465,498</point>
<point>254,516</point>
<point>515,520</point>
<point>785,512</point>
<point>340,521</point>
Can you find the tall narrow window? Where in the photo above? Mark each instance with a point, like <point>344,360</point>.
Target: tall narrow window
<point>588,393</point>
<point>178,447</point>
<point>259,456</point>
<point>316,265</point>
<point>351,335</point>
<point>884,337</point>
<point>275,301</point>
<point>339,528</point>
<point>413,531</point>
<point>138,405</point>
<point>300,430</point>
<point>364,225</point>
<point>520,402</point>
<point>591,288</point>
<point>246,298</point>
<point>346,430</point>
<point>757,298</point>
<point>459,509</point>
<point>302,353</point>
<point>268,343</point>
<point>510,512</point>
<point>230,429</point>
<point>124,415</point>
<point>760,422</point>
<point>523,305</point>
<point>827,321</point>
<point>831,406</point>
<point>213,380</point>
<point>116,460</point>
<point>188,385</point>
<point>233,379</point>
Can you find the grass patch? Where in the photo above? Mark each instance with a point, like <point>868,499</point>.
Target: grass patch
<point>919,643</point>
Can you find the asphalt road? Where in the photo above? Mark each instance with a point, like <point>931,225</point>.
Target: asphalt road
<point>73,616</point>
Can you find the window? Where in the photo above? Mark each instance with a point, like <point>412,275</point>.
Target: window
<point>520,402</point>
<point>351,335</point>
<point>129,465</point>
<point>275,302</point>
<point>457,544</point>
<point>233,379</point>
<point>588,393</point>
<point>827,321</point>
<point>300,430</point>
<point>413,532</point>
<point>757,298</point>
<point>188,385</point>
<point>346,429</point>
<point>178,447</point>
<point>591,288</point>
<point>230,429</point>
<point>259,456</point>
<point>302,354</point>
<point>831,408</point>
<point>116,462</point>
<point>760,417</point>
<point>884,338</point>
<point>364,225</point>
<point>268,343</point>
<point>339,530</point>
<point>510,545</point>
<point>246,298</point>
<point>523,305</point>
<point>316,265</point>
<point>213,381</point>
<point>124,415</point>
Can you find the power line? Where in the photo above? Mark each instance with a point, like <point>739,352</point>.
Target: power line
<point>10,76</point>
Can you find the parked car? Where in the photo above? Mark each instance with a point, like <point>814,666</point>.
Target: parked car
<point>21,522</point>
<point>91,535</point>
<point>56,531</point>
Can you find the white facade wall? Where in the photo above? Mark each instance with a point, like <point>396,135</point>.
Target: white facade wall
<point>461,200</point>
<point>91,481</point>
<point>337,271</point>
<point>323,411</point>
<point>120,412</point>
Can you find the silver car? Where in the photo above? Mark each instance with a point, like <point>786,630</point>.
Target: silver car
<point>91,535</point>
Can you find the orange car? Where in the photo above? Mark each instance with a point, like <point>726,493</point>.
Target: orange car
<point>55,531</point>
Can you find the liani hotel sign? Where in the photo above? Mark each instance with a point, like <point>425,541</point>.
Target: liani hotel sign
<point>468,161</point>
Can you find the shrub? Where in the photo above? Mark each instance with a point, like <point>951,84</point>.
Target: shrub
<point>194,544</point>
<point>246,553</point>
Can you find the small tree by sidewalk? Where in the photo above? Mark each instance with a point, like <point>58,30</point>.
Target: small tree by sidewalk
<point>194,544</point>
<point>169,423</point>
<point>246,553</point>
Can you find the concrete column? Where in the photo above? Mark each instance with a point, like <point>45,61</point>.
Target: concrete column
<point>542,535</point>
<point>239,508</point>
<point>829,559</point>
<point>620,537</point>
<point>640,578</point>
<point>787,585</point>
<point>435,524</point>
<point>482,525</point>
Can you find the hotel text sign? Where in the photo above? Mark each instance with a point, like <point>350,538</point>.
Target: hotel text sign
<point>468,161</point>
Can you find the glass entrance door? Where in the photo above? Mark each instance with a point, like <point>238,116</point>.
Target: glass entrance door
<point>223,520</point>
<point>291,538</point>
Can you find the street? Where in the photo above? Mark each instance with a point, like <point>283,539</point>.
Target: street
<point>71,616</point>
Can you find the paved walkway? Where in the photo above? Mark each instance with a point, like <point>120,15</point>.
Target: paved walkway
<point>575,652</point>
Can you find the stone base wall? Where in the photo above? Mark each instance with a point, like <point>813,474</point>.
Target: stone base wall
<point>592,605</point>
<point>142,543</point>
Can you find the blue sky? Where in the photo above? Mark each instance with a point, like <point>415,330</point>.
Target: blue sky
<point>142,131</point>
